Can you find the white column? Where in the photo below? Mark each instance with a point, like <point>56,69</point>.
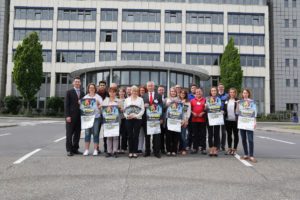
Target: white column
<point>98,11</point>
<point>183,39</point>
<point>119,33</point>
<point>53,61</point>
<point>162,35</point>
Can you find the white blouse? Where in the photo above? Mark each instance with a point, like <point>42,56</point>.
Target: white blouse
<point>139,102</point>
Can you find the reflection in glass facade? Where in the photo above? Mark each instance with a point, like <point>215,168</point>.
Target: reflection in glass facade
<point>126,77</point>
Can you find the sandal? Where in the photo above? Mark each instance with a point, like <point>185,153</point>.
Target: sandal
<point>244,158</point>
<point>233,152</point>
<point>252,159</point>
<point>229,152</point>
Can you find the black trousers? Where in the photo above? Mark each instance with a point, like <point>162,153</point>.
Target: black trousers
<point>73,134</point>
<point>190,137</point>
<point>123,135</point>
<point>231,128</point>
<point>223,137</point>
<point>199,138</point>
<point>172,141</point>
<point>133,127</point>
<point>213,136</point>
<point>155,141</point>
<point>162,138</point>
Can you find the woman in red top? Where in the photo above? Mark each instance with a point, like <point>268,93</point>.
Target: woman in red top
<point>198,122</point>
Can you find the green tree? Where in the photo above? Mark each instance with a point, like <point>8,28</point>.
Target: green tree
<point>230,67</point>
<point>28,67</point>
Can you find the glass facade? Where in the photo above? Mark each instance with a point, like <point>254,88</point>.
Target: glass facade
<point>128,77</point>
<point>141,15</point>
<point>246,19</point>
<point>21,33</point>
<point>204,17</point>
<point>75,56</point>
<point>83,35</point>
<point>32,13</point>
<point>76,14</point>
<point>247,39</point>
<point>141,36</point>
<point>204,38</point>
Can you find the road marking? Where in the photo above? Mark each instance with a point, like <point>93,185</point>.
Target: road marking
<point>5,134</point>
<point>26,156</point>
<point>268,138</point>
<point>243,161</point>
<point>60,139</point>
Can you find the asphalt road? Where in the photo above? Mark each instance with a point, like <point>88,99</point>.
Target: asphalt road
<point>49,174</point>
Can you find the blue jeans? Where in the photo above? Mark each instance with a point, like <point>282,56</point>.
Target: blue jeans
<point>183,140</point>
<point>247,134</point>
<point>95,130</point>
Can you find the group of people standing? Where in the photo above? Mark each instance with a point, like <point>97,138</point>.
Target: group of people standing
<point>133,137</point>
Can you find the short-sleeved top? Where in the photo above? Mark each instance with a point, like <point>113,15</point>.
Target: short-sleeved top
<point>198,106</point>
<point>98,100</point>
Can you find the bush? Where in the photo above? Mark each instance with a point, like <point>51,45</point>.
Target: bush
<point>55,106</point>
<point>12,104</point>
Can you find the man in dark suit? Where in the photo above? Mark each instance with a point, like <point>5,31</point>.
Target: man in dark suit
<point>152,97</point>
<point>72,114</point>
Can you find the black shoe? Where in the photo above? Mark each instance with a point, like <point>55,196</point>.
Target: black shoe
<point>77,152</point>
<point>108,155</point>
<point>139,151</point>
<point>194,152</point>
<point>70,153</point>
<point>163,151</point>
<point>115,155</point>
<point>146,154</point>
<point>157,155</point>
<point>99,152</point>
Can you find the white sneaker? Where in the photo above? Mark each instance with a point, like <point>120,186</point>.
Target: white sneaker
<point>86,152</point>
<point>95,152</point>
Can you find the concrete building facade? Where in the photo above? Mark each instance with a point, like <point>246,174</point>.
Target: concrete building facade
<point>131,42</point>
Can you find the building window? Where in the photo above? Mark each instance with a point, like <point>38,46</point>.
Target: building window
<point>204,17</point>
<point>287,82</point>
<point>287,43</point>
<point>34,13</point>
<point>294,42</point>
<point>294,23</point>
<point>135,55</point>
<point>108,35</point>
<point>245,19</point>
<point>107,55</point>
<point>173,57</point>
<point>173,37</point>
<point>247,39</point>
<point>109,15</point>
<point>47,55</point>
<point>252,60</point>
<point>286,3</point>
<point>295,82</point>
<point>77,14</point>
<point>141,36</point>
<point>172,16</point>
<point>286,23</point>
<point>204,38</point>
<point>215,81</point>
<point>76,35</point>
<point>292,107</point>
<point>202,59</point>
<point>295,62</point>
<point>21,33</point>
<point>75,56</point>
<point>141,15</point>
<point>294,3</point>
<point>287,62</point>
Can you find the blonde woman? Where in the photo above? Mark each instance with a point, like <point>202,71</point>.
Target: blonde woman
<point>133,119</point>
